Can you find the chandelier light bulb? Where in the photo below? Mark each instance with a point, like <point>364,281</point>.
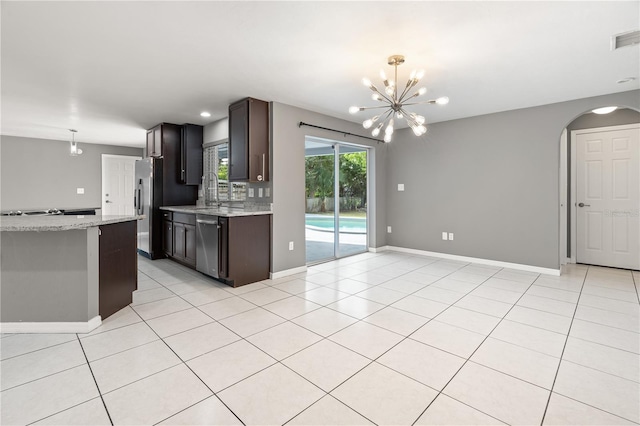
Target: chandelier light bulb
<point>376,131</point>
<point>442,100</point>
<point>416,130</point>
<point>412,75</point>
<point>389,129</point>
<point>419,119</point>
<point>376,97</point>
<point>353,109</point>
<point>398,114</point>
<point>419,74</point>
<point>367,82</point>
<point>389,90</point>
<point>423,129</point>
<point>422,91</point>
<point>367,123</point>
<point>387,137</point>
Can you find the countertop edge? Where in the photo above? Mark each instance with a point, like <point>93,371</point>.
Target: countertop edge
<point>69,222</point>
<point>213,211</point>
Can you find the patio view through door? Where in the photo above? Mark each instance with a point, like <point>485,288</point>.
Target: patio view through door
<point>336,199</point>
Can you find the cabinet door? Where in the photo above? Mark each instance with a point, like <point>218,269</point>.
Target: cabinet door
<point>178,240</point>
<point>118,267</point>
<point>167,237</point>
<point>258,141</point>
<point>150,145</point>
<point>191,154</point>
<point>239,141</point>
<point>157,141</point>
<point>190,244</point>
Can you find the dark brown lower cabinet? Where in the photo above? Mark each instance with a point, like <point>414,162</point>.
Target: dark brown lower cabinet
<point>244,249</point>
<point>180,238</point>
<point>118,267</point>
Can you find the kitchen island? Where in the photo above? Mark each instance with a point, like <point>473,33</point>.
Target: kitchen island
<point>65,273</point>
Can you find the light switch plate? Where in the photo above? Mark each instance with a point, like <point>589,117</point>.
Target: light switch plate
<point>290,245</point>
<point>445,236</point>
<point>260,192</point>
<point>450,236</point>
<point>388,229</point>
<point>250,192</point>
<point>79,190</point>
<point>267,192</point>
<point>401,187</point>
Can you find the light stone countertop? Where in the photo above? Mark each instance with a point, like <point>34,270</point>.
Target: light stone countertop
<point>59,222</point>
<point>219,211</point>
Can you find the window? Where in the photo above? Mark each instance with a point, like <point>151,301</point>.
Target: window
<point>216,160</point>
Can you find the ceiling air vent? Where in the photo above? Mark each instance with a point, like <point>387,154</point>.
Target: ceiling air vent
<point>630,38</point>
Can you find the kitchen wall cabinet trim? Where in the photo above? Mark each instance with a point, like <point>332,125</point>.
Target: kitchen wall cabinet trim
<point>249,140</point>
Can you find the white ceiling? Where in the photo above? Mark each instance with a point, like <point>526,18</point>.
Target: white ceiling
<point>112,69</point>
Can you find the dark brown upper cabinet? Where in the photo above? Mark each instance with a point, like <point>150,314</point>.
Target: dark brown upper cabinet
<point>191,154</point>
<point>154,141</point>
<point>249,140</point>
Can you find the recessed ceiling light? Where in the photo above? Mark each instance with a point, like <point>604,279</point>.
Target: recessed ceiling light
<point>625,80</point>
<point>205,114</point>
<point>604,110</point>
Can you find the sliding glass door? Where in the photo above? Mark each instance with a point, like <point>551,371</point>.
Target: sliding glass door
<point>336,199</point>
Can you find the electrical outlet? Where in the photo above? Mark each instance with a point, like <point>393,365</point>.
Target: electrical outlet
<point>267,192</point>
<point>260,192</point>
<point>251,191</point>
<point>79,190</point>
<point>290,245</point>
<point>401,187</point>
<point>450,236</point>
<point>388,229</point>
<point>445,236</point>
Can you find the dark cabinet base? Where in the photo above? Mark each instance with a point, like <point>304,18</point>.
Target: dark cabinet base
<point>118,267</point>
<point>245,249</point>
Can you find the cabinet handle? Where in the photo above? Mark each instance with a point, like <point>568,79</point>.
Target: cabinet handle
<point>261,177</point>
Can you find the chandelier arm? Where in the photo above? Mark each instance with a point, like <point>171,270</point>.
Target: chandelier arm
<point>404,92</point>
<point>374,107</point>
<point>430,101</point>
<point>408,117</point>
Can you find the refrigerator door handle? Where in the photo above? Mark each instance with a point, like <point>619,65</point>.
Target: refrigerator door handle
<point>139,204</point>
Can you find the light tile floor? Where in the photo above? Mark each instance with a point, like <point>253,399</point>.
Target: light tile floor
<point>384,338</point>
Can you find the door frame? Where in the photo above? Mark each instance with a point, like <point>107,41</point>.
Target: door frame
<point>573,201</point>
<point>105,175</point>
<point>335,144</point>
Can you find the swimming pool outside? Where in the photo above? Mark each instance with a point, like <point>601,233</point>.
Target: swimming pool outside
<point>348,225</point>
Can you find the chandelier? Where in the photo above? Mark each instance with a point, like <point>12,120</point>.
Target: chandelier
<point>394,102</point>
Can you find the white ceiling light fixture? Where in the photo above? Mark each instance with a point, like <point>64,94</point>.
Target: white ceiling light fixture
<point>395,103</point>
<point>74,150</point>
<point>604,110</point>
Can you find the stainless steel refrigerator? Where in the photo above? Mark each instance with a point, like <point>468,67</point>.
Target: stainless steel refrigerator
<point>148,199</point>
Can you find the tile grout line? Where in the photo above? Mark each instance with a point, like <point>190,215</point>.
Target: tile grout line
<point>564,347</point>
<point>95,381</point>
<point>194,373</point>
<point>469,360</point>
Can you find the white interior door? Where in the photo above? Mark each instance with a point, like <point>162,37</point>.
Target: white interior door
<point>118,184</point>
<point>608,198</point>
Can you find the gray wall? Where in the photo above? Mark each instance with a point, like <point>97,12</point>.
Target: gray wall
<point>492,180</point>
<point>288,180</point>
<point>40,173</point>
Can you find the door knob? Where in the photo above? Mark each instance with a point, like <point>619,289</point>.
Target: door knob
<point>108,201</point>
<point>584,205</point>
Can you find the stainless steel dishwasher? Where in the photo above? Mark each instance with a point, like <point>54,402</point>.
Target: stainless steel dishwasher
<point>207,244</point>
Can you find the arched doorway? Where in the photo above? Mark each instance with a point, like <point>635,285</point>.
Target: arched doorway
<point>596,156</point>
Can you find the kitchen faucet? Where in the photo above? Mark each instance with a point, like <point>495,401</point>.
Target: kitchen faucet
<point>213,177</point>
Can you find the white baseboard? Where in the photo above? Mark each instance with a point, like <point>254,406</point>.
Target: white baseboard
<point>51,327</point>
<point>287,272</point>
<point>518,266</point>
<point>378,249</point>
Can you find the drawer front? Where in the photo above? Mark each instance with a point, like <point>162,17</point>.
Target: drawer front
<point>167,215</point>
<point>189,219</point>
